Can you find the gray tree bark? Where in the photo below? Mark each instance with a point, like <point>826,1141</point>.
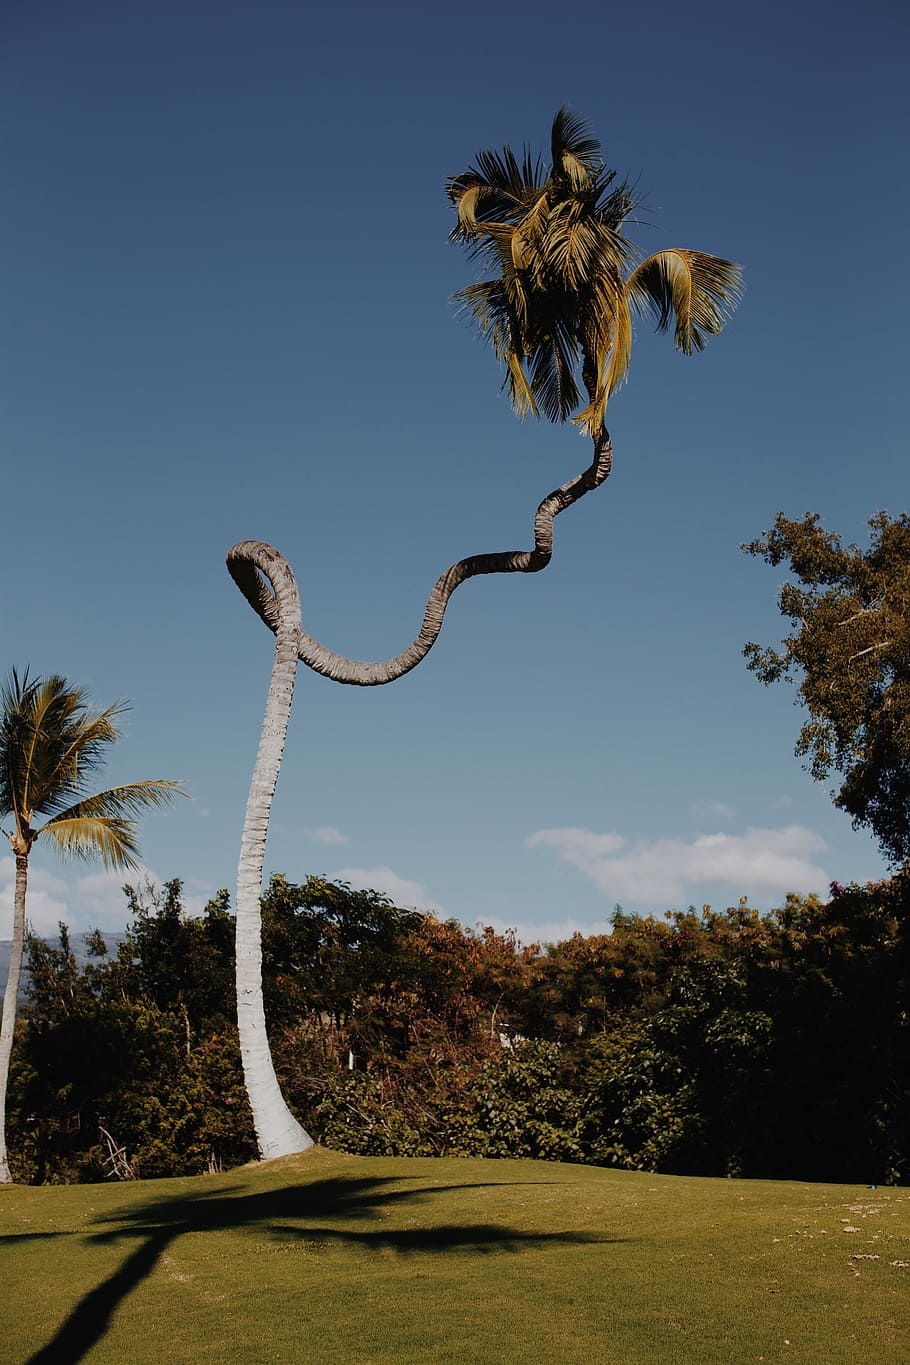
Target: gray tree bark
<point>277,1131</point>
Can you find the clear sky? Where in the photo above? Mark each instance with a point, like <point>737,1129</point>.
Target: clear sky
<point>227,315</point>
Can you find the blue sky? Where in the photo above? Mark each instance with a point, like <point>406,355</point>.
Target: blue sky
<point>227,315</point>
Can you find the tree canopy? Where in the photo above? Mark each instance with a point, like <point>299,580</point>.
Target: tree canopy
<point>565,280</point>
<point>848,652</point>
<point>50,744</point>
<point>714,1043</point>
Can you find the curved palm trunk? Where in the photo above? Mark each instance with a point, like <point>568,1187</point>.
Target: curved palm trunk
<point>277,1131</point>
<point>254,565</point>
<point>242,562</point>
<point>10,999</point>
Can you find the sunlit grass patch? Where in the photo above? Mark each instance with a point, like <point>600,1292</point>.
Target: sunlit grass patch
<point>328,1258</point>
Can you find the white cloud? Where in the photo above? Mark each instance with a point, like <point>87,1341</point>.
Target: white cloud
<point>92,901</point>
<point>762,863</point>
<point>577,846</point>
<point>713,810</point>
<point>328,835</point>
<point>46,900</point>
<point>398,889</point>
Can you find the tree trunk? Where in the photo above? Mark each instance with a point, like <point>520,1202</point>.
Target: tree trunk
<point>277,1131</point>
<point>243,561</point>
<point>10,1000</point>
<point>254,565</point>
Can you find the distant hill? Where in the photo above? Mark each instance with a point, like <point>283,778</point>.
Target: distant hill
<point>78,943</point>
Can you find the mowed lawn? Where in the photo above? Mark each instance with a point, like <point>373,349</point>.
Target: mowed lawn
<point>329,1258</point>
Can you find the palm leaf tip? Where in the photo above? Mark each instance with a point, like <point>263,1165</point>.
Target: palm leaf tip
<point>110,839</point>
<point>698,290</point>
<point>124,802</point>
<point>575,151</point>
<point>104,825</point>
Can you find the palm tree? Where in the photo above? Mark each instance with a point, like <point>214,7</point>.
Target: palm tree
<point>50,743</point>
<point>566,283</point>
<point>561,304</point>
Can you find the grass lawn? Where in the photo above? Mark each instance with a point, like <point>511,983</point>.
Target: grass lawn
<point>325,1258</point>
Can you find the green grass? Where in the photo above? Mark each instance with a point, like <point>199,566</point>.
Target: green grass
<point>326,1258</point>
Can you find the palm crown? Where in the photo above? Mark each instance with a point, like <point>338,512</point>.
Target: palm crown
<point>50,743</point>
<point>567,283</point>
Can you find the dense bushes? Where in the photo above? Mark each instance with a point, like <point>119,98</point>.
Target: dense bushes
<point>734,1043</point>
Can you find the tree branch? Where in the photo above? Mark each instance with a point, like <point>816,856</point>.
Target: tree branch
<point>882,644</point>
<point>876,606</point>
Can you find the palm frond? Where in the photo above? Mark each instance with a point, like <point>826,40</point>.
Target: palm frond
<point>520,391</point>
<point>576,248</point>
<point>466,202</point>
<point>104,826</point>
<point>501,171</point>
<point>487,306</point>
<point>50,741</point>
<point>121,803</point>
<point>491,309</point>
<point>78,752</point>
<point>552,375</point>
<point>611,212</point>
<point>576,153</point>
<point>499,187</point>
<point>45,725</point>
<point>17,698</point>
<point>608,342</point>
<point>698,290</point>
<point>111,840</point>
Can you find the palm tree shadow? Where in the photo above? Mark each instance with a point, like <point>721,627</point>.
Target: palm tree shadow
<point>315,1208</point>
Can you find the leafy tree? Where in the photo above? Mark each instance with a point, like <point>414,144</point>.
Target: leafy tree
<point>561,299</point>
<point>834,1097</point>
<point>849,653</point>
<point>768,1046</point>
<point>179,963</point>
<point>582,986</point>
<point>522,1106</point>
<point>333,953</point>
<point>50,744</point>
<point>139,1045</point>
<point>781,1048</point>
<point>418,1004</point>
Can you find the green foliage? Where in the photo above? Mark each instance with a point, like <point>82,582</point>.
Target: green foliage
<point>520,1106</point>
<point>176,963</point>
<point>50,744</point>
<point>674,1091</point>
<point>726,1043</point>
<point>138,1052</point>
<point>782,1047</point>
<point>354,1115</point>
<point>849,653</point>
<point>331,951</point>
<point>639,1107</point>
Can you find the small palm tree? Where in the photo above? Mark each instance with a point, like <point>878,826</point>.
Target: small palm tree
<point>566,284</point>
<point>50,743</point>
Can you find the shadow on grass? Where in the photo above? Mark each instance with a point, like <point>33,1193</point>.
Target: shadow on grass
<point>308,1212</point>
